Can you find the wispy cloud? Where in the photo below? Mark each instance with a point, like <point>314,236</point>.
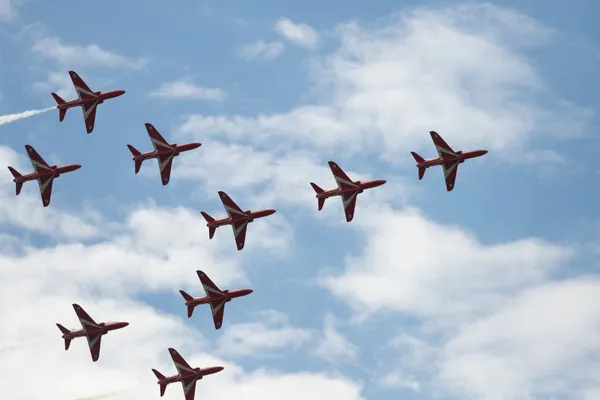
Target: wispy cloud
<point>261,50</point>
<point>52,48</point>
<point>297,33</point>
<point>185,90</point>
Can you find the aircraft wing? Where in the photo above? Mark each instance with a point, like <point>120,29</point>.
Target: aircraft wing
<point>342,180</point>
<point>85,320</point>
<point>444,151</point>
<point>39,165</point>
<point>45,183</point>
<point>157,140</point>
<point>183,368</point>
<point>94,342</point>
<point>165,162</point>
<point>189,388</point>
<point>450,170</point>
<point>89,115</point>
<point>83,91</point>
<point>239,232</point>
<point>217,308</point>
<point>230,206</point>
<point>209,287</point>
<point>349,199</point>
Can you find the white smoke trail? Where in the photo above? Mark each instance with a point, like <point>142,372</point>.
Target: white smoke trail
<point>7,119</point>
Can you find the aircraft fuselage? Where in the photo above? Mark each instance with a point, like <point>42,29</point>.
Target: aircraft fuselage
<point>105,327</point>
<point>176,150</point>
<point>226,297</point>
<point>250,217</point>
<point>460,157</point>
<point>360,187</point>
<point>99,99</point>
<point>56,171</point>
<point>200,373</point>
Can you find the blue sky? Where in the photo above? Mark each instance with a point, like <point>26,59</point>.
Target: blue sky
<point>487,292</point>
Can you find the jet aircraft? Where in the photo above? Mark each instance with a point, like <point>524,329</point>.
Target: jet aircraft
<point>163,152</point>
<point>185,374</point>
<point>43,173</point>
<point>347,188</point>
<point>88,101</point>
<point>92,330</point>
<point>448,159</point>
<point>237,218</point>
<point>214,296</point>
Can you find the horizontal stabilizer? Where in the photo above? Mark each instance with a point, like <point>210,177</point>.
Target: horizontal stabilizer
<point>64,332</point>
<point>133,150</point>
<point>58,99</point>
<point>207,217</point>
<point>14,172</point>
<point>321,202</point>
<point>159,376</point>
<point>422,172</point>
<point>417,157</point>
<point>63,329</point>
<point>317,189</point>
<point>163,386</point>
<point>186,296</point>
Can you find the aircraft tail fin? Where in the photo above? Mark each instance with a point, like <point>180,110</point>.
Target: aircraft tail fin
<point>14,172</point>
<point>209,219</point>
<point>316,187</point>
<point>135,152</point>
<point>318,190</point>
<point>417,157</point>
<point>65,331</point>
<point>160,377</point>
<point>61,111</point>
<point>58,99</point>
<point>16,175</point>
<point>187,297</point>
<point>419,160</point>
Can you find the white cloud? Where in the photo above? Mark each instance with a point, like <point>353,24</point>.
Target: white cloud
<point>72,56</point>
<point>542,342</point>
<point>260,339</point>
<point>300,34</point>
<point>183,89</point>
<point>333,346</point>
<point>426,269</point>
<point>459,70</point>
<point>261,50</point>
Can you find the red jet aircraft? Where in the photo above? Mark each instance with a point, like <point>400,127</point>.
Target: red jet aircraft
<point>448,159</point>
<point>163,151</point>
<point>347,188</point>
<point>238,219</point>
<point>43,173</point>
<point>88,101</point>
<point>186,375</point>
<point>91,330</point>
<point>214,296</point>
